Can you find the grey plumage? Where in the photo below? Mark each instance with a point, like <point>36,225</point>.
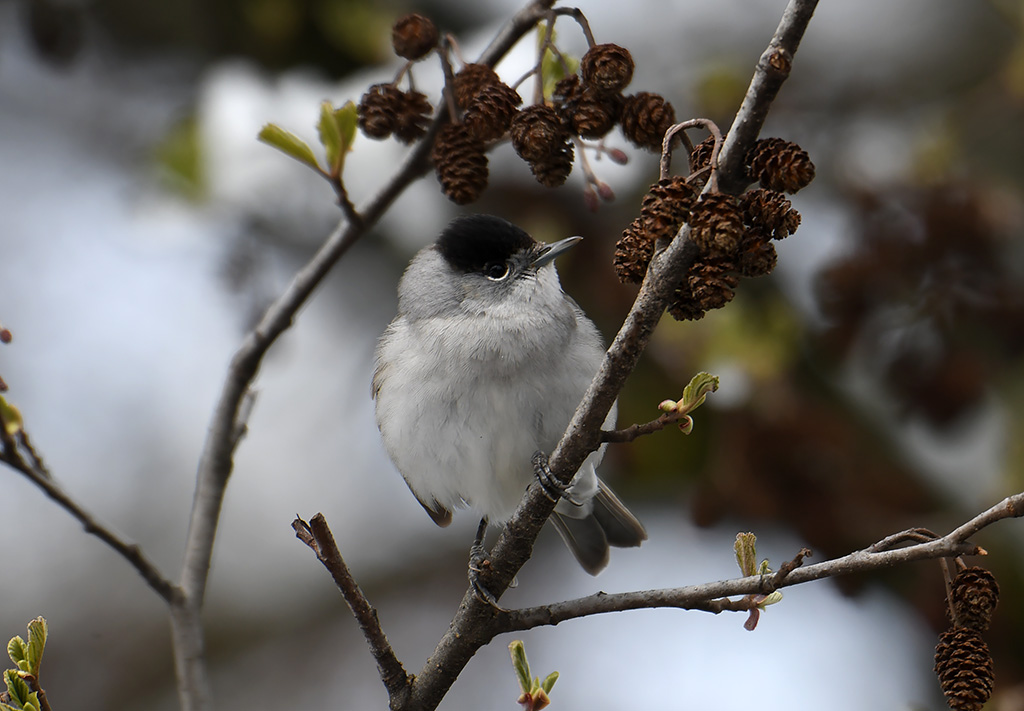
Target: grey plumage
<point>485,364</point>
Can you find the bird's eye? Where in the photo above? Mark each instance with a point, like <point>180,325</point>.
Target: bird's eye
<point>496,271</point>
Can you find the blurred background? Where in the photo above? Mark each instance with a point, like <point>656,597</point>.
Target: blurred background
<point>873,383</point>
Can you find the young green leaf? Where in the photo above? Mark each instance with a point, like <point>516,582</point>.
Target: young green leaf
<point>520,664</point>
<point>347,118</point>
<point>700,385</point>
<point>37,631</point>
<point>549,682</point>
<point>11,417</point>
<point>337,129</point>
<point>330,136</point>
<point>746,553</point>
<point>288,143</point>
<point>18,653</point>
<point>17,689</point>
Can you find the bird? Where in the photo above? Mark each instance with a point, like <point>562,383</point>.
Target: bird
<point>484,366</point>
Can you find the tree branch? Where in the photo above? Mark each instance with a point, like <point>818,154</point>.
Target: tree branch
<point>772,70</point>
<point>37,473</point>
<point>667,269</point>
<point>708,596</point>
<point>216,461</point>
<point>317,535</point>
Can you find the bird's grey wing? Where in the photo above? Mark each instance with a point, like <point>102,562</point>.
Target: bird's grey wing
<point>620,526</point>
<point>585,539</point>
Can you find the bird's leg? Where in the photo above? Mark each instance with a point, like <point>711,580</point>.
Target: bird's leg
<point>478,562</point>
<point>555,490</point>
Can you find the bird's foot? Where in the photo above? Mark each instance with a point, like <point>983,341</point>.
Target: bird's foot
<point>479,562</point>
<point>555,490</point>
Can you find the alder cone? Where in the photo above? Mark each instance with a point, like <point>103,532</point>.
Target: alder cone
<point>595,115</point>
<point>633,253</point>
<point>607,68</point>
<point>711,284</point>
<point>566,92</point>
<point>716,224</point>
<point>470,81</point>
<point>413,118</point>
<point>490,113</point>
<point>537,133</point>
<point>974,594</point>
<point>554,169</point>
<point>770,211</point>
<point>757,255</point>
<point>666,206</point>
<point>460,164</point>
<point>378,110</point>
<point>645,118</point>
<point>700,157</point>
<point>963,665</point>
<point>779,165</point>
<point>413,36</point>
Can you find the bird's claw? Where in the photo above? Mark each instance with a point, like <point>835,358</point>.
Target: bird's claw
<point>553,488</point>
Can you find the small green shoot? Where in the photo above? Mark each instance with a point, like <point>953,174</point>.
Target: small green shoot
<point>534,691</point>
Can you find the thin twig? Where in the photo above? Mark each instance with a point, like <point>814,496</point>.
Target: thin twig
<point>628,434</point>
<point>317,535</point>
<point>581,19</point>
<point>36,473</point>
<point>680,128</point>
<point>700,597</point>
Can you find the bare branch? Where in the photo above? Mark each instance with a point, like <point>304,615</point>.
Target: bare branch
<point>709,596</point>
<point>36,472</point>
<point>317,535</point>
<point>772,70</point>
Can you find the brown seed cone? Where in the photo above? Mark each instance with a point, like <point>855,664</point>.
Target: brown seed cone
<point>701,155</point>
<point>964,668</point>
<point>779,165</point>
<point>379,109</point>
<point>757,255</point>
<point>974,595</point>
<point>666,206</point>
<point>645,118</point>
<point>633,253</point>
<point>711,284</point>
<point>414,117</point>
<point>594,115</point>
<point>470,81</point>
<point>554,169</point>
<point>537,133</point>
<point>769,211</point>
<point>460,164</point>
<point>567,91</point>
<point>490,112</point>
<point>607,68</point>
<point>717,224</point>
<point>413,36</point>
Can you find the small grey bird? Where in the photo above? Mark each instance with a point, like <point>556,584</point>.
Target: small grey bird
<point>484,366</point>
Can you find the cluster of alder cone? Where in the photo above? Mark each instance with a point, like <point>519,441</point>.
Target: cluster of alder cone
<point>587,105</point>
<point>734,234</point>
<point>962,660</point>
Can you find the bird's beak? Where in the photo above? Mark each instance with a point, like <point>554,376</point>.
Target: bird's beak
<point>548,252</point>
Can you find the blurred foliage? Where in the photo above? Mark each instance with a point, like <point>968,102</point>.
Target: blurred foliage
<point>179,155</point>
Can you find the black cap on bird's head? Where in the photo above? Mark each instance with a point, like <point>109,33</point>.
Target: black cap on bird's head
<point>478,243</point>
